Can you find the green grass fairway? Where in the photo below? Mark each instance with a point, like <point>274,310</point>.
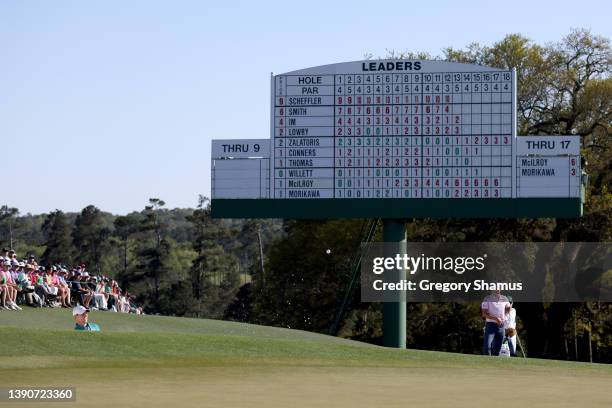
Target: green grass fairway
<point>153,361</point>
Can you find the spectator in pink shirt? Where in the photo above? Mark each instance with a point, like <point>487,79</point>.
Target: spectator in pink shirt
<point>494,309</point>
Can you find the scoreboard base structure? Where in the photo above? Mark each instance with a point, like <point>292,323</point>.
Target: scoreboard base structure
<point>398,208</point>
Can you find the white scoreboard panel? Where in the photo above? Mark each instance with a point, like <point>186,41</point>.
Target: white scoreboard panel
<point>240,168</point>
<point>548,166</point>
<point>393,129</point>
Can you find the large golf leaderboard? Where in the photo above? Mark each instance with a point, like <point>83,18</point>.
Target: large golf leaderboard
<point>398,129</point>
<point>409,130</point>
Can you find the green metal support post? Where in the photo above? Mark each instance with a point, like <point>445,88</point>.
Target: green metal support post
<point>394,312</point>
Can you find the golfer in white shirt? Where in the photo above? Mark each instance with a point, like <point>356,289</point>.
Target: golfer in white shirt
<point>494,309</point>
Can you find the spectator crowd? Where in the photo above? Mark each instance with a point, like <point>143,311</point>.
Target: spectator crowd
<point>25,282</point>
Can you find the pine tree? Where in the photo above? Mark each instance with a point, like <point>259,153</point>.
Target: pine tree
<point>8,217</point>
<point>58,239</point>
<point>152,258</point>
<point>125,227</point>
<point>214,273</point>
<point>91,237</point>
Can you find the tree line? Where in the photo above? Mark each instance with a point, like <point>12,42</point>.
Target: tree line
<point>174,261</point>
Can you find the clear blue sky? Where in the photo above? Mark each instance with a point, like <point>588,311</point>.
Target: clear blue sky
<point>112,102</point>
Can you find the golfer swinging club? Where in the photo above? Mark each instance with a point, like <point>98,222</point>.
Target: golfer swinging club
<point>494,309</point>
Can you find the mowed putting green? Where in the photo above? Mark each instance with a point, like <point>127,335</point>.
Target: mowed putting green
<point>154,361</point>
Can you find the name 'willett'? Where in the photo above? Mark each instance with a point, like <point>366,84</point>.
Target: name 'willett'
<point>458,265</point>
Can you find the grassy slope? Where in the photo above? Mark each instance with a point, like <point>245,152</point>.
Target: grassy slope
<point>136,352</point>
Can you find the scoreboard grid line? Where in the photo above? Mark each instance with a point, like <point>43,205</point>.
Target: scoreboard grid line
<point>421,133</point>
<point>334,140</point>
